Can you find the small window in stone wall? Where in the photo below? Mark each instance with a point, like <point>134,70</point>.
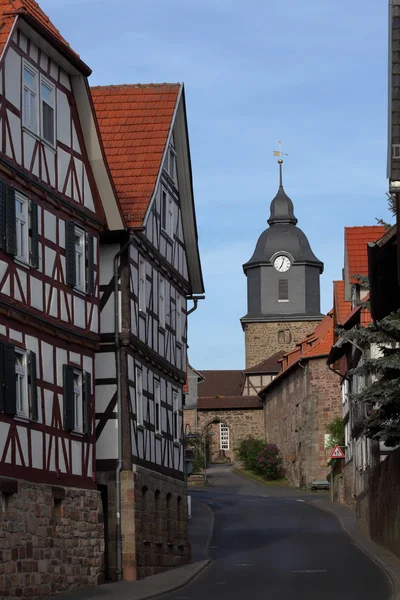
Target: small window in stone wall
<point>58,509</point>
<point>284,336</point>
<point>4,503</point>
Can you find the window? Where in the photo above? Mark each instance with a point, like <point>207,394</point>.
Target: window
<point>79,258</point>
<point>178,329</point>
<point>142,285</point>
<point>224,436</point>
<point>47,112</point>
<point>21,384</point>
<point>22,227</point>
<point>283,290</point>
<point>139,397</point>
<point>175,416</point>
<point>170,163</point>
<point>30,98</point>
<point>167,209</point>
<point>157,406</point>
<point>78,415</point>
<point>161,303</point>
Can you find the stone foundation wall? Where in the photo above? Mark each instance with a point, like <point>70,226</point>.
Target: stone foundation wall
<point>265,339</point>
<point>297,409</point>
<point>51,540</point>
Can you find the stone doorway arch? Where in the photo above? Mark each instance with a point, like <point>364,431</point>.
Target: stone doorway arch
<point>220,439</point>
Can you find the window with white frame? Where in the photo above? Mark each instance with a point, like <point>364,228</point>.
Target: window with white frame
<point>78,402</point>
<point>172,163</point>
<point>21,381</point>
<point>142,285</point>
<point>161,303</point>
<point>175,415</point>
<point>80,270</point>
<point>139,397</point>
<point>178,329</point>
<point>30,98</point>
<point>22,227</point>
<point>47,110</point>
<point>224,436</point>
<point>167,208</point>
<point>157,406</point>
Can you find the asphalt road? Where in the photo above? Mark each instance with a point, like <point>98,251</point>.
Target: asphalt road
<point>270,544</point>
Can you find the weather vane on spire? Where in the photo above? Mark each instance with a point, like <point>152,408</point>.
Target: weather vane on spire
<point>279,152</point>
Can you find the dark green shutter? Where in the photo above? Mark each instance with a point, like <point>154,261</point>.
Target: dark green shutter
<point>90,264</point>
<point>11,224</point>
<point>2,382</point>
<point>69,410</point>
<point>70,253</point>
<point>32,380</point>
<point>34,236</point>
<point>87,404</point>
<point>10,388</point>
<point>3,189</point>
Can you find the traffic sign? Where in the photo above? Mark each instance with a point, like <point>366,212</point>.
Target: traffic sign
<point>337,452</point>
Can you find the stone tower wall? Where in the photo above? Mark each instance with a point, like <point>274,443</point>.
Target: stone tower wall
<point>262,340</point>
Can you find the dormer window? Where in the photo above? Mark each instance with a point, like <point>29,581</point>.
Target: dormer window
<point>355,295</point>
<point>38,104</point>
<point>170,163</point>
<point>30,98</point>
<point>47,112</point>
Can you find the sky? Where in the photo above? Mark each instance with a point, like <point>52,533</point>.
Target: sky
<point>312,74</point>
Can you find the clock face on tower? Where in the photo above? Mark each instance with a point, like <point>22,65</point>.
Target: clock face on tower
<point>282,263</point>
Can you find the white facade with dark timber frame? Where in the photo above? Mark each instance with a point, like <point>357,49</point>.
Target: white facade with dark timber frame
<point>158,271</point>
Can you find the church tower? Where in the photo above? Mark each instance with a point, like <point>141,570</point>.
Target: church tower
<point>283,289</point>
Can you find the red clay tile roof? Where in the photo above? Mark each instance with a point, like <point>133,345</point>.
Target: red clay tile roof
<point>228,402</point>
<point>341,307</point>
<point>355,242</point>
<point>220,383</point>
<point>135,121</point>
<point>269,365</point>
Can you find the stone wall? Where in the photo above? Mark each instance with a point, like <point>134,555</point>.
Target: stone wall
<point>297,409</point>
<point>262,340</point>
<point>241,423</point>
<point>154,523</point>
<point>51,540</point>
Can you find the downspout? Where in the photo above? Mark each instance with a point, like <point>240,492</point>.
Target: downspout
<point>189,312</point>
<point>119,406</point>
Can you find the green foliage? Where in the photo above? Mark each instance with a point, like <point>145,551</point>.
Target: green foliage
<point>260,457</point>
<point>197,444</point>
<point>336,432</point>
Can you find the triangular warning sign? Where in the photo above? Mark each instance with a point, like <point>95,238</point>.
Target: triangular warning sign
<point>337,452</point>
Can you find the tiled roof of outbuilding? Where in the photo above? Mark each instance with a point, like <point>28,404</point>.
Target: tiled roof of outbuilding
<point>269,365</point>
<point>355,241</point>
<point>220,383</point>
<point>135,122</point>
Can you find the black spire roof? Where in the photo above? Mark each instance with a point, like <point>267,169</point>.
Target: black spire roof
<point>281,205</point>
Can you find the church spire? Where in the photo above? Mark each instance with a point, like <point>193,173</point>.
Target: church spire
<point>281,205</point>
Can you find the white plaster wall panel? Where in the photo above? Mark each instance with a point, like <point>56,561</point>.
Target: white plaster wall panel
<point>50,226</point>
<point>50,257</point>
<point>62,359</point>
<point>3,330</point>
<point>87,362</point>
<point>131,367</point>
<point>53,70</point>
<point>163,245</point>
<point>75,141</point>
<point>105,365</point>
<point>17,293</point>
<point>15,129</point>
<point>88,198</point>
<point>36,293</point>
<point>37,449</point>
<point>48,291</point>
<point>51,165</point>
<point>23,281</point>
<point>13,77</point>
<point>63,308</point>
<point>107,316</point>
<point>29,144</point>
<point>133,319</point>
<point>48,405</point>
<point>76,458</point>
<point>21,456</point>
<point>142,328</point>
<point>69,302</point>
<point>134,279</point>
<point>107,445</point>
<point>64,79</point>
<point>95,249</point>
<point>63,163</point>
<point>54,303</point>
<point>133,438</point>
<point>61,233</point>
<point>23,42</point>
<point>140,452</point>
<point>107,253</point>
<point>149,229</point>
<point>3,269</point>
<point>47,356</point>
<point>94,325</point>
<point>62,260</point>
<point>79,174</point>
<point>104,393</point>
<point>34,52</point>
<point>15,36</point>
<point>63,118</point>
<point>168,253</point>
<point>134,253</point>
<point>44,61</point>
<point>4,427</point>
<point>61,457</point>
<point>15,335</point>
<point>75,358</point>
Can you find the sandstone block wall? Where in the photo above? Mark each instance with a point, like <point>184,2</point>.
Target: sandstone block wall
<point>265,339</point>
<point>51,540</point>
<point>297,409</point>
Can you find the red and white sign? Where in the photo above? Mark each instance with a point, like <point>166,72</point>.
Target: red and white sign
<point>337,452</point>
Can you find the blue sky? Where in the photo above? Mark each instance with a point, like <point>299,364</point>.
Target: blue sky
<point>313,74</point>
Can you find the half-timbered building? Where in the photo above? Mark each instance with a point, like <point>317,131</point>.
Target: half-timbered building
<point>155,269</point>
<point>55,197</point>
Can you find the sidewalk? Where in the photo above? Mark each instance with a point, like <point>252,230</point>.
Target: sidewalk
<point>385,559</point>
<point>201,527</point>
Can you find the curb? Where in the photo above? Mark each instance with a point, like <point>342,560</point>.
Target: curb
<point>392,576</point>
<point>201,565</point>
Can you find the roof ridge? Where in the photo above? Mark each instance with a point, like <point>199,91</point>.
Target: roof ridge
<point>134,85</point>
